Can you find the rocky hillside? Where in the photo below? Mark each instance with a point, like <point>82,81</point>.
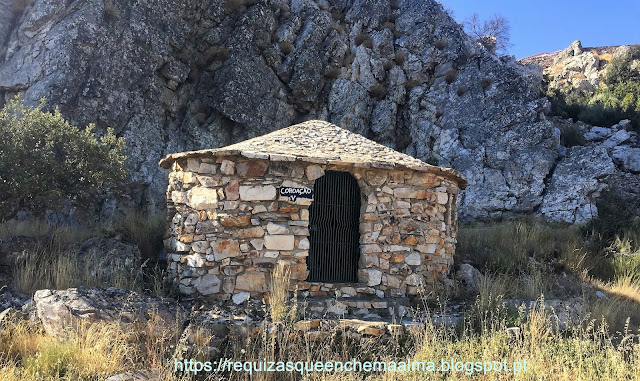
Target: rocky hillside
<point>577,68</point>
<point>172,76</point>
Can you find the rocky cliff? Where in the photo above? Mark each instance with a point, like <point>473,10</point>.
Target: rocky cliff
<point>172,75</point>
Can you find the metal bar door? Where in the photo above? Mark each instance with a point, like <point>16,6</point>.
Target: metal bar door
<point>334,218</point>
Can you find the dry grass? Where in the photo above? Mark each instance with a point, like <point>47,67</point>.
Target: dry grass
<point>92,351</point>
<point>601,348</point>
<point>63,234</point>
<point>144,230</point>
<point>283,308</point>
<point>53,260</point>
<point>607,57</point>
<point>61,268</point>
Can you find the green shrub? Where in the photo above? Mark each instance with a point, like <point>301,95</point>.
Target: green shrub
<point>616,217</point>
<point>337,15</point>
<point>349,58</point>
<point>44,159</point>
<point>619,69</point>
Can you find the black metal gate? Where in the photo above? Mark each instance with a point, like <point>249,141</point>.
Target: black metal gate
<point>334,218</point>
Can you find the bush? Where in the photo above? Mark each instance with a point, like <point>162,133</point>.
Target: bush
<point>461,90</point>
<point>388,25</point>
<point>44,159</point>
<point>337,15</point>
<point>378,91</point>
<point>450,75</point>
<point>332,72</point>
<point>285,47</point>
<point>571,135</point>
<point>400,57</point>
<point>349,58</point>
<point>486,82</point>
<point>338,28</point>
<point>364,40</point>
<point>110,11</point>
<point>440,44</point>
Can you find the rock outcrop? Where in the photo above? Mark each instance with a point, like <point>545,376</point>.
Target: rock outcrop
<point>174,76</point>
<point>576,69</point>
<point>61,310</point>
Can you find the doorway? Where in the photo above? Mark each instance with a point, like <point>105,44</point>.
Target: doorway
<point>334,231</point>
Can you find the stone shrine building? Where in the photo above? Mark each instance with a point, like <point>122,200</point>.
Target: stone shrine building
<point>349,217</point>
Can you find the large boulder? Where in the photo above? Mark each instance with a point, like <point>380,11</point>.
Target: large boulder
<point>575,185</point>
<point>64,310</point>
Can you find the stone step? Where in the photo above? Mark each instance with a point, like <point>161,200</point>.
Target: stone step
<point>360,306</point>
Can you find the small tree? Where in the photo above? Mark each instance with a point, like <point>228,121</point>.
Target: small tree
<point>44,159</point>
<point>492,33</point>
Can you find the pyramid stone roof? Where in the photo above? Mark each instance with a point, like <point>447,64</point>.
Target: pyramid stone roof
<point>321,142</point>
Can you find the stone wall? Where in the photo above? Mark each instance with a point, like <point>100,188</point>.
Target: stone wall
<point>228,227</point>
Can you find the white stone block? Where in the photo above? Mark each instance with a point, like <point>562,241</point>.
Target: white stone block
<point>279,242</point>
<point>258,193</point>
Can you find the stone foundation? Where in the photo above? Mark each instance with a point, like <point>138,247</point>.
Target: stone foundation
<point>229,227</point>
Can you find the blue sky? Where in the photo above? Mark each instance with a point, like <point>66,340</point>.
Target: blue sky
<point>547,26</point>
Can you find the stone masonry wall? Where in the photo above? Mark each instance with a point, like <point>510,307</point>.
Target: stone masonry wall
<point>228,227</point>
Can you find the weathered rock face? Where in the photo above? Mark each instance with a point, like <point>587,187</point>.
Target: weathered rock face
<point>174,76</point>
